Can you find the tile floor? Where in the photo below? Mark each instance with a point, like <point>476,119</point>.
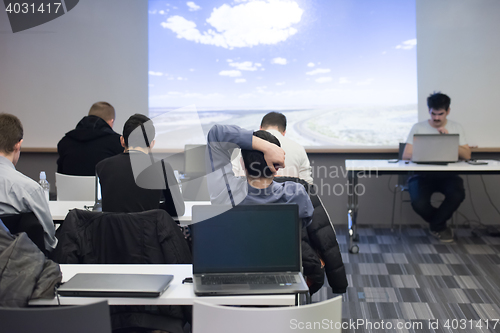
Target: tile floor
<point>413,283</point>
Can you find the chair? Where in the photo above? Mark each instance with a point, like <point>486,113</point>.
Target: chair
<point>75,188</point>
<point>401,187</point>
<point>28,223</point>
<point>76,319</point>
<point>150,237</point>
<point>209,318</point>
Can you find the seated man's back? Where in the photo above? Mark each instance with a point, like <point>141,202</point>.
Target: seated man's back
<point>132,181</point>
<point>91,141</point>
<point>18,193</point>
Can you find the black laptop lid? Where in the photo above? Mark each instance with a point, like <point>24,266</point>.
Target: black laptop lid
<point>246,238</point>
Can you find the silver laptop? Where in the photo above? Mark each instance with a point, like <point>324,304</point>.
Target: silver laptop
<point>435,148</point>
<point>248,249</point>
<point>115,285</point>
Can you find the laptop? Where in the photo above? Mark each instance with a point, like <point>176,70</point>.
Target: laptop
<point>247,249</point>
<point>435,148</point>
<point>115,285</point>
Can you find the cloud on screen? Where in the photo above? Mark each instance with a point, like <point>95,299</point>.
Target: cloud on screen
<point>244,25</point>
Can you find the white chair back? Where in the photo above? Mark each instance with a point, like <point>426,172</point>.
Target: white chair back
<point>322,316</point>
<point>75,188</point>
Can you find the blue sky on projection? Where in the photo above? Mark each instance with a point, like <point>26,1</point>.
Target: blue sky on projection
<point>343,71</point>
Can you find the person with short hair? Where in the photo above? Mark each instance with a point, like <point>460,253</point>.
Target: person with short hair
<point>134,181</point>
<point>422,186</point>
<point>262,156</point>
<point>18,193</point>
<point>90,142</point>
<point>296,160</point>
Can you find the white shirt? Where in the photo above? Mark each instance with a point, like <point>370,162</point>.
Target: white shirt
<point>21,194</point>
<point>296,160</point>
<point>423,127</point>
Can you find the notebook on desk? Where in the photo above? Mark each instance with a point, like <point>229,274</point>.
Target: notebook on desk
<point>248,249</point>
<point>115,285</point>
<point>435,148</point>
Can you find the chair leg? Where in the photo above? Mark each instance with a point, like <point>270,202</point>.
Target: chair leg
<point>400,213</point>
<point>393,209</point>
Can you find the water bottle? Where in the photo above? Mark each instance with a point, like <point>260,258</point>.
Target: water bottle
<point>44,184</point>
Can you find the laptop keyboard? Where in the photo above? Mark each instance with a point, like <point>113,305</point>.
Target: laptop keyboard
<point>247,279</point>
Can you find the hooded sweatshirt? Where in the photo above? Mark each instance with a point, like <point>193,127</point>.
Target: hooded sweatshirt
<point>89,143</point>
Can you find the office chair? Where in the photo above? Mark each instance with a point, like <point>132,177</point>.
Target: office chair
<point>28,223</point>
<point>150,237</point>
<point>76,319</point>
<point>75,188</point>
<point>402,187</point>
<point>210,318</point>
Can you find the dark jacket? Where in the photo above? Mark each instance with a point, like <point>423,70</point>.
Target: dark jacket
<point>124,191</point>
<point>150,237</point>
<point>82,148</point>
<point>320,241</point>
<point>25,273</point>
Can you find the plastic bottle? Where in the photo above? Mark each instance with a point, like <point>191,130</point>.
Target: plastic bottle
<point>44,184</point>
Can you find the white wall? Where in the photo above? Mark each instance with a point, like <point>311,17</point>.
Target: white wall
<point>458,54</point>
<point>50,75</point>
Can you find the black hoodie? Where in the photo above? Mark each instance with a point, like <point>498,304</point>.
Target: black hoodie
<point>89,143</point>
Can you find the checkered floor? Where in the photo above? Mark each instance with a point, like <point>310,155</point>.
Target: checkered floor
<point>413,283</point>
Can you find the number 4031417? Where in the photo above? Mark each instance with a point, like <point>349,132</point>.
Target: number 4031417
<point>25,8</point>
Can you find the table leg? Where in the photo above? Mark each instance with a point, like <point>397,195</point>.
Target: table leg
<point>352,210</point>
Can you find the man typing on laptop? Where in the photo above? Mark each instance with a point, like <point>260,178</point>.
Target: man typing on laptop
<point>421,187</point>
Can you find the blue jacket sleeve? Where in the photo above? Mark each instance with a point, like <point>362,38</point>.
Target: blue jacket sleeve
<point>224,187</point>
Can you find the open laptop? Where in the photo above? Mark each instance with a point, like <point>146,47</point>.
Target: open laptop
<point>435,148</point>
<point>248,249</point>
<point>115,285</point>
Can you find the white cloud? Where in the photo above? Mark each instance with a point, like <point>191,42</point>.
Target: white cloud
<point>191,69</point>
<point>192,6</point>
<point>279,61</point>
<point>311,64</point>
<point>240,80</point>
<point>152,11</point>
<point>319,71</point>
<point>365,82</point>
<point>280,83</point>
<point>408,44</point>
<point>229,60</point>
<point>181,78</point>
<point>230,73</point>
<point>155,73</point>
<point>244,66</point>
<point>244,25</point>
<point>343,80</point>
<point>323,79</point>
<point>161,12</point>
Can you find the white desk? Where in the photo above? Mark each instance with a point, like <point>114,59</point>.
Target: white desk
<point>176,294</point>
<point>372,168</point>
<point>59,209</point>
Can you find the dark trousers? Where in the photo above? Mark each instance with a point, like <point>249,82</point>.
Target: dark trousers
<point>421,188</point>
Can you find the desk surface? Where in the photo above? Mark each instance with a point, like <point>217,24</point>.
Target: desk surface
<point>176,294</point>
<point>384,165</point>
<point>59,209</point>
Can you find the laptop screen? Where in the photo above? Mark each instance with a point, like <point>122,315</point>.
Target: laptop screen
<point>246,238</point>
